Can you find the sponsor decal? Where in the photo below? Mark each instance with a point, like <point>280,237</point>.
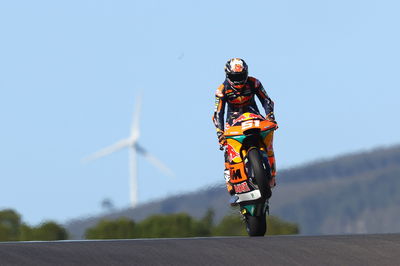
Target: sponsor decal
<point>241,99</point>
<point>254,116</point>
<point>236,174</point>
<point>241,188</point>
<point>227,175</point>
<point>217,102</point>
<point>238,68</point>
<point>239,119</point>
<point>232,153</point>
<point>237,65</point>
<point>250,124</point>
<point>255,194</point>
<point>246,116</point>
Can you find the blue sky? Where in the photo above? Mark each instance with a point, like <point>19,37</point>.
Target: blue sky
<point>70,72</point>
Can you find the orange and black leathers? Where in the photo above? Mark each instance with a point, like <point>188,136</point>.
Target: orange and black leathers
<point>240,101</point>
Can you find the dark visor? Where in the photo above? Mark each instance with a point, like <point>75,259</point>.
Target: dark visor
<point>237,76</point>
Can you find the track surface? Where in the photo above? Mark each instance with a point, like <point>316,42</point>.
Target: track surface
<point>279,250</point>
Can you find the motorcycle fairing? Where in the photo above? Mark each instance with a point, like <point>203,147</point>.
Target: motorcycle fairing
<point>236,154</point>
<point>255,209</point>
<point>249,196</point>
<point>241,174</point>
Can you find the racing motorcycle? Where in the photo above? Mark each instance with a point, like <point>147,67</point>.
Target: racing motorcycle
<point>248,137</point>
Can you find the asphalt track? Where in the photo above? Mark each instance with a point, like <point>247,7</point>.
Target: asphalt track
<point>278,250</point>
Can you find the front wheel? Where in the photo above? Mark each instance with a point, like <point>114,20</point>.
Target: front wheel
<point>256,225</point>
<point>261,172</point>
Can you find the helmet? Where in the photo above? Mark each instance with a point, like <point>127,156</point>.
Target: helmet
<point>236,72</point>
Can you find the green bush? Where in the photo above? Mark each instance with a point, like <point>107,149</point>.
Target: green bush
<point>10,223</point>
<point>121,228</point>
<point>12,229</point>
<point>182,225</point>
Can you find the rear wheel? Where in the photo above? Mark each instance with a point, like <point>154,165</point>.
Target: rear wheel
<point>257,225</point>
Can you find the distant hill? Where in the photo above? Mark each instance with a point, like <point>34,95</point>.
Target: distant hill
<point>354,193</point>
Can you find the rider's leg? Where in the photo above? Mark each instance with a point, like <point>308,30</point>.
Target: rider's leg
<point>271,158</point>
<point>229,186</point>
<point>227,176</point>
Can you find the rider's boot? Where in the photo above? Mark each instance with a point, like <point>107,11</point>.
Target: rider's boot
<point>271,160</point>
<point>233,200</point>
<point>229,187</point>
<point>272,182</point>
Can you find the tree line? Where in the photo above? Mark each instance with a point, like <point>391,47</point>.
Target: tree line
<point>13,229</point>
<point>182,225</point>
<point>157,226</point>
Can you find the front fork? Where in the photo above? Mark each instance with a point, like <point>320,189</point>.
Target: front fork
<point>261,207</point>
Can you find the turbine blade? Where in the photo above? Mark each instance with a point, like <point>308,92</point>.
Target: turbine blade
<point>154,160</point>
<point>110,149</point>
<point>135,132</point>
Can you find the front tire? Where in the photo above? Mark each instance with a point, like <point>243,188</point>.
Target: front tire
<point>261,173</point>
<point>257,225</point>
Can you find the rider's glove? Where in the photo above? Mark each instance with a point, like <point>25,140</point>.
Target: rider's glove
<point>221,138</point>
<point>271,117</point>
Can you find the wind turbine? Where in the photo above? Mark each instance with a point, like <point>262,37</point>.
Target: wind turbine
<point>134,148</point>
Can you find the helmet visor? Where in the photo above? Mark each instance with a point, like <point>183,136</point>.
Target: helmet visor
<point>237,77</point>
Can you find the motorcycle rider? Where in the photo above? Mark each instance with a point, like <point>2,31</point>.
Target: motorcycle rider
<point>238,91</point>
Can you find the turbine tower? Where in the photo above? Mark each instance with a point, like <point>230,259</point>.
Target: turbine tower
<point>134,148</point>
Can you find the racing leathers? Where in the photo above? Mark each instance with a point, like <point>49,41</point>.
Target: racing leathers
<point>240,101</point>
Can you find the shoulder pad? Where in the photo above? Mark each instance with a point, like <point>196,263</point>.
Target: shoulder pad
<point>220,91</point>
<point>252,79</point>
<point>255,81</point>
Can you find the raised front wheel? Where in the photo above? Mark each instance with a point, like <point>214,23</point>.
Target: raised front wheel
<point>261,172</point>
<point>257,225</point>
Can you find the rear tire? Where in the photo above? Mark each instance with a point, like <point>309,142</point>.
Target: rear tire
<point>257,225</point>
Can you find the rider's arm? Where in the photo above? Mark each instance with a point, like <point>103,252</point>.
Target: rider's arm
<point>218,117</point>
<point>266,102</point>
